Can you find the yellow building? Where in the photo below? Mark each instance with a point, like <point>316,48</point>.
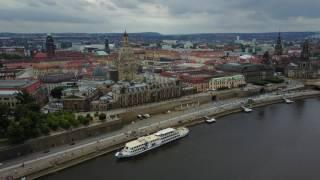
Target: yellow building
<point>227,82</point>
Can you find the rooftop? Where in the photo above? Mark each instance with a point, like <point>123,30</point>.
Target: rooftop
<point>164,131</point>
<point>8,92</point>
<point>15,83</point>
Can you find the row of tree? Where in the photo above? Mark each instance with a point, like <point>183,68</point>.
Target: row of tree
<point>10,56</point>
<point>26,121</point>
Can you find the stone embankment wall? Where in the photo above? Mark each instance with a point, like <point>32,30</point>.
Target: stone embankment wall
<point>56,161</point>
<point>68,137</point>
<point>71,136</point>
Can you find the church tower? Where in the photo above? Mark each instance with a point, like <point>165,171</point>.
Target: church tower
<point>278,48</point>
<point>106,46</point>
<point>126,64</point>
<point>305,53</point>
<point>125,39</point>
<point>50,47</point>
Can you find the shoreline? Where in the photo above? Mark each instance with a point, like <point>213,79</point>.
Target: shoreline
<point>58,161</point>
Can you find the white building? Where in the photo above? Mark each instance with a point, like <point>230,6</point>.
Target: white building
<point>227,82</point>
<point>188,45</point>
<point>8,98</point>
<point>170,42</point>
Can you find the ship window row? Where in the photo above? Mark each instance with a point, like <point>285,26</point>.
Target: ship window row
<point>170,138</point>
<point>169,135</point>
<point>137,149</point>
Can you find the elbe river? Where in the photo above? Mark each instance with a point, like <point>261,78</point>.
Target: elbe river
<point>276,142</point>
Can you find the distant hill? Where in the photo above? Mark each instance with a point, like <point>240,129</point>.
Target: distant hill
<point>154,36</point>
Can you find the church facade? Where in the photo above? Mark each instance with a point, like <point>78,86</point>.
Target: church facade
<point>304,68</point>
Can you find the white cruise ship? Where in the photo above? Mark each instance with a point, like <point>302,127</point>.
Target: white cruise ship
<point>152,141</point>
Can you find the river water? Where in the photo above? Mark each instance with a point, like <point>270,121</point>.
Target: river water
<point>276,142</point>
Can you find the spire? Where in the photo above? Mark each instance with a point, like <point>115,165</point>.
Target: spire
<point>305,53</point>
<point>106,46</point>
<point>125,38</point>
<point>50,47</point>
<point>278,47</point>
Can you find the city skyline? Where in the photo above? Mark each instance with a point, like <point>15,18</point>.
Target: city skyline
<point>166,17</point>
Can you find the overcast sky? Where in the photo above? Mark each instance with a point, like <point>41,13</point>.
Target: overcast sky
<point>164,16</point>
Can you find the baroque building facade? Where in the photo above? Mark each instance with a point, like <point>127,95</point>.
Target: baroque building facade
<point>126,94</point>
<point>227,82</point>
<point>305,67</point>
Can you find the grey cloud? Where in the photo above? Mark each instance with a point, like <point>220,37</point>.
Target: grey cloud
<point>42,16</point>
<point>282,9</point>
<point>48,2</point>
<point>169,16</point>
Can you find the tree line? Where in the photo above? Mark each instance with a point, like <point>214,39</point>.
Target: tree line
<point>25,121</point>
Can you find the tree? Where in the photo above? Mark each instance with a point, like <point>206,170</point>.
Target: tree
<point>89,117</point>
<point>4,119</point>
<point>24,97</point>
<point>83,120</point>
<point>15,133</point>
<point>70,117</point>
<point>102,117</point>
<point>30,126</point>
<point>57,92</point>
<point>53,121</point>
<point>63,123</point>
<point>34,107</point>
<point>20,111</point>
<point>44,127</point>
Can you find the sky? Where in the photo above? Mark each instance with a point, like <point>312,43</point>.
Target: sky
<point>163,16</point>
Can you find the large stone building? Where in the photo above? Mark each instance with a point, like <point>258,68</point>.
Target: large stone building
<point>8,98</point>
<point>252,72</point>
<point>13,50</point>
<point>126,63</point>
<point>227,82</point>
<point>51,81</point>
<point>84,95</point>
<point>9,89</point>
<point>304,68</point>
<point>126,94</point>
<point>78,99</point>
<point>6,74</point>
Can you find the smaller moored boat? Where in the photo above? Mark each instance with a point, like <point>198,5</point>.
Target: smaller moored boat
<point>212,120</point>
<point>246,109</point>
<point>288,101</point>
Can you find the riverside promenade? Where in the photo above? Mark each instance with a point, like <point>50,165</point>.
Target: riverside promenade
<point>42,164</point>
